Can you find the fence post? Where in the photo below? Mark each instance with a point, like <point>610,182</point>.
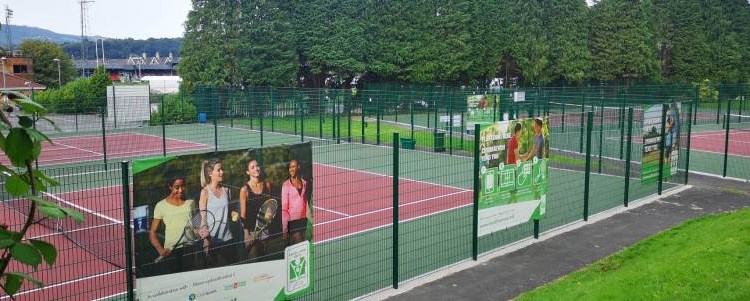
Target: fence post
<point>689,133</point>
<point>450,123</point>
<point>726,146</point>
<point>216,124</point>
<point>321,111</point>
<point>125,168</point>
<point>662,144</point>
<point>411,115</point>
<point>350,102</point>
<point>163,128</point>
<point>627,156</point>
<point>395,209</point>
<point>114,106</point>
<point>563,117</point>
<point>104,135</point>
<point>273,111</point>
<point>622,125</point>
<point>475,209</point>
<point>601,132</point>
<point>260,111</point>
<point>587,179</point>
<point>583,112</point>
<point>362,123</point>
<point>377,125</point>
<point>302,120</point>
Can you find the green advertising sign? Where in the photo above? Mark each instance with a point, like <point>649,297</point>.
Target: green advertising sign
<point>481,109</point>
<point>513,174</point>
<point>652,139</point>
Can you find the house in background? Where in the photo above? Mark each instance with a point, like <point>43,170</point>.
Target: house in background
<point>17,73</point>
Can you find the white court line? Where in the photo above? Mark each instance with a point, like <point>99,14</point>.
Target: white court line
<point>84,209</point>
<point>332,211</point>
<point>81,149</point>
<point>387,176</point>
<point>64,283</point>
<point>389,208</point>
<point>273,133</point>
<point>73,231</point>
<point>173,139</point>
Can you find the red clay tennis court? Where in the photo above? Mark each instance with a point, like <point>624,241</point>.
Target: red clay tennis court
<point>363,204</point>
<point>121,145</point>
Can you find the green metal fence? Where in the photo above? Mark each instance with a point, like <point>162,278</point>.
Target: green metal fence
<point>403,161</point>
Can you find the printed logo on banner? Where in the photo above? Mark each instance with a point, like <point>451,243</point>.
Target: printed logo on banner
<point>540,171</point>
<point>523,179</point>
<point>298,267</point>
<point>507,177</point>
<point>489,178</point>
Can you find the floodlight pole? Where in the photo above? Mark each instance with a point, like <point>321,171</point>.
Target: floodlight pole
<point>3,59</point>
<point>59,77</point>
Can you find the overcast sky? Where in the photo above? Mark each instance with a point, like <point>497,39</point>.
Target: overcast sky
<point>138,19</point>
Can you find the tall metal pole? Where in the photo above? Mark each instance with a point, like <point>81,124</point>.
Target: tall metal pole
<point>59,77</point>
<point>3,59</point>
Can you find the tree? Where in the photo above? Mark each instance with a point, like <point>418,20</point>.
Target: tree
<point>567,29</point>
<point>22,144</point>
<point>623,44</point>
<point>43,55</point>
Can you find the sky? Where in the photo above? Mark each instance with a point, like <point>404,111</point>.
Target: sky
<point>137,19</point>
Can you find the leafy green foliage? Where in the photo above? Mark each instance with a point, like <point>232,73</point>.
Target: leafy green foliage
<point>22,145</point>
<point>44,54</point>
<point>175,110</point>
<point>82,95</point>
<point>306,43</point>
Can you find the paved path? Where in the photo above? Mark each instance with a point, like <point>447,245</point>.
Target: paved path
<point>506,276</point>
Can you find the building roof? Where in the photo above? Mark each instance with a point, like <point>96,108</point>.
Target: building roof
<point>12,82</point>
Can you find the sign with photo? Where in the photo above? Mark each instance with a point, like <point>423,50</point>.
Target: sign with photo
<point>513,173</point>
<point>481,109</point>
<point>224,225</point>
<point>652,128</point>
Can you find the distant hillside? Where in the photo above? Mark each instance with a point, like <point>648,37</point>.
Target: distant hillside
<point>21,33</point>
<point>114,48</point>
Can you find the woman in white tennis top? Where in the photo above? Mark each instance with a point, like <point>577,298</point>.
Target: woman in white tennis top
<point>214,200</point>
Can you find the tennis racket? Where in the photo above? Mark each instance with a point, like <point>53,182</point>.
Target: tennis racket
<point>193,231</point>
<point>265,216</point>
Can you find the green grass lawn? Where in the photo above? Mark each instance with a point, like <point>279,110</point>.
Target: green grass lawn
<point>704,259</point>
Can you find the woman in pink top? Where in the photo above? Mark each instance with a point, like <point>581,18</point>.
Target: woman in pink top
<point>294,205</point>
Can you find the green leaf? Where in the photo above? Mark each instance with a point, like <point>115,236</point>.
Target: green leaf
<point>29,106</point>
<point>77,216</point>
<point>25,121</point>
<point>6,170</point>
<point>37,135</point>
<point>26,254</point>
<point>6,243</point>
<point>47,250</point>
<point>53,212</point>
<point>18,143</point>
<point>43,177</point>
<point>16,185</point>
<point>36,150</point>
<point>2,139</point>
<point>42,202</point>
<point>21,277</point>
<point>12,283</point>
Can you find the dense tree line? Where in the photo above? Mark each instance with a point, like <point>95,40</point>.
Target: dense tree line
<point>125,48</point>
<point>290,43</point>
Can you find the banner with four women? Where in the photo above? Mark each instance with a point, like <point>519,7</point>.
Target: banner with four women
<point>224,225</point>
<point>513,173</point>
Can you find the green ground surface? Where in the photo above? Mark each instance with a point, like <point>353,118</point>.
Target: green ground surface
<point>703,259</point>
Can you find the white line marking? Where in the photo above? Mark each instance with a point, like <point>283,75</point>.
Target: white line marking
<point>64,283</point>
<point>332,211</point>
<point>84,209</point>
<point>81,149</point>
<point>74,231</point>
<point>387,176</point>
<point>389,208</point>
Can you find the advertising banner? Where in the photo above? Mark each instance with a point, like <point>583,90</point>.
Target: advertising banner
<point>514,167</point>
<point>481,109</point>
<point>652,128</point>
<point>224,225</point>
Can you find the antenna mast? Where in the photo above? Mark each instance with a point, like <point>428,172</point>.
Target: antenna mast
<point>8,16</point>
<point>84,7</point>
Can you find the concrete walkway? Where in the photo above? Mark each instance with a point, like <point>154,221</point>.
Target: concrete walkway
<point>522,268</point>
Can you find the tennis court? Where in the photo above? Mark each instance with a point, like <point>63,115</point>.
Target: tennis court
<point>121,145</point>
<point>347,202</point>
